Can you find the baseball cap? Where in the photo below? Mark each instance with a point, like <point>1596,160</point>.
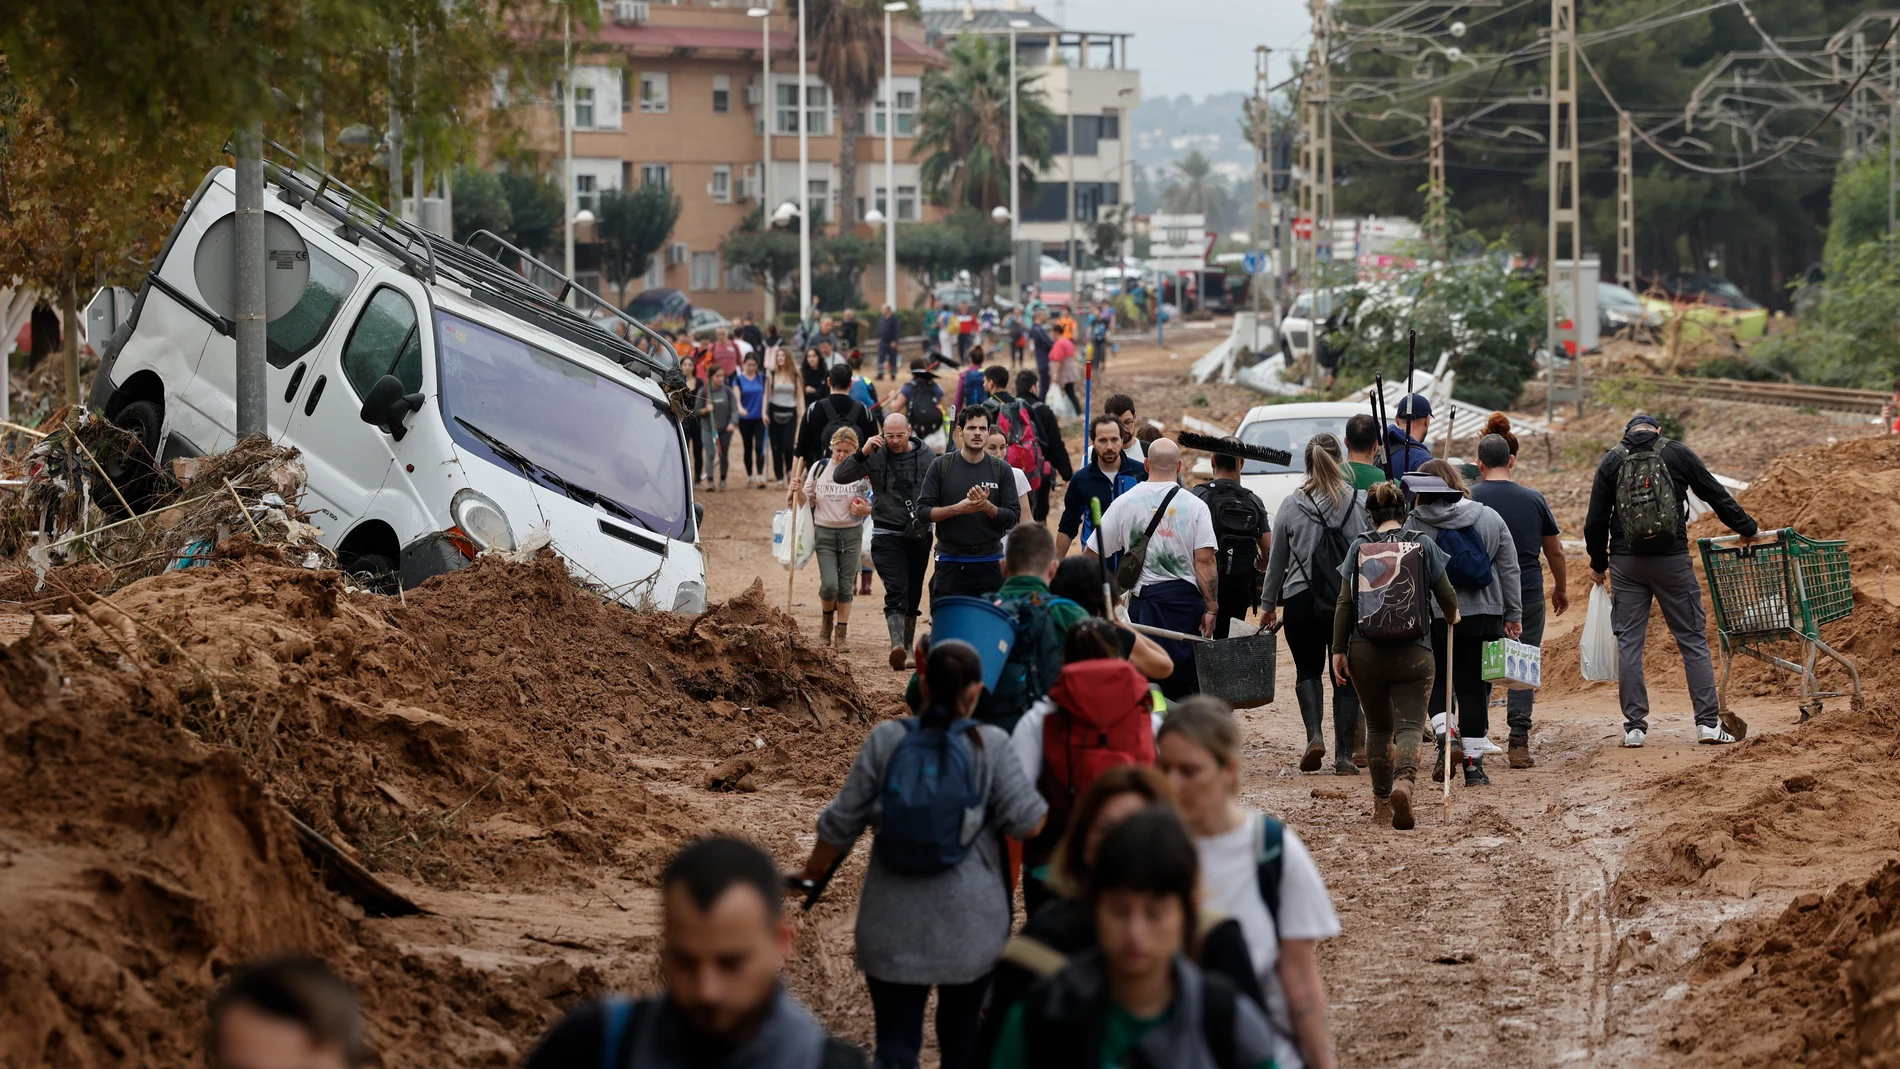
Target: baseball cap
<point>1414,406</point>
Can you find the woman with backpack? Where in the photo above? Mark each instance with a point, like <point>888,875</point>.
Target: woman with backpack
<point>1311,534</point>
<point>1136,998</point>
<point>1381,618</point>
<point>1255,870</point>
<point>837,512</point>
<point>1481,561</point>
<point>934,910</point>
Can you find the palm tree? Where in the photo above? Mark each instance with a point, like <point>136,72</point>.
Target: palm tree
<point>1196,190</point>
<point>850,47</point>
<point>963,127</point>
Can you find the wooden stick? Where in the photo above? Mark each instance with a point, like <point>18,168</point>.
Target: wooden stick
<point>130,512</point>
<point>1451,703</point>
<point>121,523</point>
<point>4,425</point>
<point>246,513</point>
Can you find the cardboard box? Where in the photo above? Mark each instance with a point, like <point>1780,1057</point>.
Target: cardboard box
<point>1514,664</point>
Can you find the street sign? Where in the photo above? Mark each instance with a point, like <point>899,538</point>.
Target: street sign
<point>286,266</point>
<point>1302,227</point>
<point>1255,262</point>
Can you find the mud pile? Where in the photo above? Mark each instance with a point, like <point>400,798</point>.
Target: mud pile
<point>495,729</point>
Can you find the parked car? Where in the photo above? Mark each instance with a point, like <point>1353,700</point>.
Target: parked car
<point>1289,427</point>
<point>1701,298</point>
<point>445,405</point>
<point>1621,311</point>
<point>953,295</point>
<point>662,308</point>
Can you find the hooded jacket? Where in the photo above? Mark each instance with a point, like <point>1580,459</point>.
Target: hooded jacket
<point>1406,452</point>
<point>1296,536</point>
<point>896,481</point>
<point>1504,596</point>
<point>1066,1014</point>
<point>1603,536</point>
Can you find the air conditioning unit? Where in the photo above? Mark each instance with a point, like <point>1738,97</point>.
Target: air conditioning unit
<point>677,253</point>
<point>752,94</point>
<point>746,186</point>
<point>628,12</point>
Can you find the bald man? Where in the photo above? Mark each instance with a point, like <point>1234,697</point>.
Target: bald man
<point>896,462</point>
<point>1176,589</point>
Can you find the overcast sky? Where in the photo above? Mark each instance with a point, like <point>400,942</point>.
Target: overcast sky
<point>1195,48</point>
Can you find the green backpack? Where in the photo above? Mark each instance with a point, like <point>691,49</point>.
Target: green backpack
<point>1647,508</point>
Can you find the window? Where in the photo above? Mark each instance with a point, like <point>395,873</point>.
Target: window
<point>1111,126</point>
<point>297,331</point>
<point>705,272</point>
<point>626,89</point>
<point>722,94</point>
<point>722,183</point>
<point>583,107</point>
<point>384,341</point>
<point>653,93</point>
<point>586,192</point>
<point>906,203</point>
<point>818,200</point>
<point>656,174</point>
<point>817,108</point>
<point>738,279</point>
<point>1049,205</point>
<point>656,271</point>
<point>1088,131</point>
<point>1058,135</point>
<point>906,108</point>
<point>502,96</point>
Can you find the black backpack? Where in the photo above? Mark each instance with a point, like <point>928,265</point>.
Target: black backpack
<point>854,416</point>
<point>1238,524</point>
<point>1322,570</point>
<point>923,408</point>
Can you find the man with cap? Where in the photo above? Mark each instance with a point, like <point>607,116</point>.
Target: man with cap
<point>920,399</point>
<point>1405,437</point>
<point>1643,552</point>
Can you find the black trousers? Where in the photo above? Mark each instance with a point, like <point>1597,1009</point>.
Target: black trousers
<point>969,578</point>
<point>783,439</point>
<point>901,563</point>
<point>1039,501</point>
<point>752,440</point>
<point>1467,670</point>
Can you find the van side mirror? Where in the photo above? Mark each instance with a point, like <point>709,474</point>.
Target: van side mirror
<point>388,404</point>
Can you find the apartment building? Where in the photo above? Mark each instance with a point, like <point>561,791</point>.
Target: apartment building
<point>674,95</point>
<point>1085,78</point>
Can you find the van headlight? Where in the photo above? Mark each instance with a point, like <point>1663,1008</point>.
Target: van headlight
<point>482,521</point>
<point>690,598</point>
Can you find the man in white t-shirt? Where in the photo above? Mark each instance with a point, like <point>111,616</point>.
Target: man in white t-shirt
<point>1176,590</point>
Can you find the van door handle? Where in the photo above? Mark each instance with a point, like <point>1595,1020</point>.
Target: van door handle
<point>296,380</point>
<point>316,391</point>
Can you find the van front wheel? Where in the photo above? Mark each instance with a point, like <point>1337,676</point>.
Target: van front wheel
<point>374,572</point>
<point>135,473</point>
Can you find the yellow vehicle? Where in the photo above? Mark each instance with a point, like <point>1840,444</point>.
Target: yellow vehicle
<point>1706,301</point>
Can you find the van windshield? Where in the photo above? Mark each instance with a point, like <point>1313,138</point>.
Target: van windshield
<point>562,425</point>
<point>1290,435</point>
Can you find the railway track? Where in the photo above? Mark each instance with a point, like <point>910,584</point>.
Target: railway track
<point>1789,394</point>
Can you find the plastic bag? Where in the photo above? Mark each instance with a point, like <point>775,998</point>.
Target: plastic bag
<point>784,549</point>
<point>864,546</point>
<point>1059,404</point>
<point>1597,647</point>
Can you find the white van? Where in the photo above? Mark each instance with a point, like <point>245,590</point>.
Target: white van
<point>446,400</point>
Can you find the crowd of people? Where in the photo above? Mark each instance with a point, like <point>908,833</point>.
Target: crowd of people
<point>1161,922</point>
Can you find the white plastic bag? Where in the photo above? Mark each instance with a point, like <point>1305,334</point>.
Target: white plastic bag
<point>1059,404</point>
<point>1597,647</point>
<point>864,546</point>
<point>784,549</point>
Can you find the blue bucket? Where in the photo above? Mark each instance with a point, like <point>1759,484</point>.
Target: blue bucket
<point>980,623</point>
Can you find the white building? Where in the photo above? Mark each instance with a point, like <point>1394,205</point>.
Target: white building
<point>1085,77</point>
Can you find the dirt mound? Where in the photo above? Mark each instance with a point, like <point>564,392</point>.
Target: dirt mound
<point>1848,490</point>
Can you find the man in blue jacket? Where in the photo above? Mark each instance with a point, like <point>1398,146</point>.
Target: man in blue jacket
<point>1405,437</point>
<point>1108,474</point>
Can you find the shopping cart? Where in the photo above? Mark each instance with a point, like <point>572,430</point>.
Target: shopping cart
<point>1778,590</point>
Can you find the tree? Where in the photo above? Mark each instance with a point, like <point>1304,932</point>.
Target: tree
<point>769,255</point>
<point>1194,189</point>
<point>966,241</point>
<point>1108,233</point>
<point>480,204</point>
<point>963,127</point>
<point>535,205</point>
<point>850,47</point>
<point>1488,317</point>
<point>837,268</point>
<point>630,227</point>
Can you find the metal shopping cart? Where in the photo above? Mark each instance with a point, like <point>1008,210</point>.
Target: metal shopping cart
<point>1780,590</point>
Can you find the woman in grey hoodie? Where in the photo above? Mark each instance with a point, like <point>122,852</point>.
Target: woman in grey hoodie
<point>1325,510</point>
<point>1490,603</point>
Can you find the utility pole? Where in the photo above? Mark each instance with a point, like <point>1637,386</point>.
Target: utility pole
<point>1263,175</point>
<point>1309,122</point>
<point>568,203</point>
<point>1437,196</point>
<point>392,147</point>
<point>804,174</point>
<point>1563,205</point>
<point>1626,206</point>
<point>252,415</point>
<point>1323,154</point>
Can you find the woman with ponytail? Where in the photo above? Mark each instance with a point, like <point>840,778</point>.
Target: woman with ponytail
<point>1311,534</point>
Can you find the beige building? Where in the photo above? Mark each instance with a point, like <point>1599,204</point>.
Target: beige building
<point>675,95</point>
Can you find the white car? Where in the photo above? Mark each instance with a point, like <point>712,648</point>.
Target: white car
<point>445,403</point>
<point>1296,327</point>
<point>1290,427</point>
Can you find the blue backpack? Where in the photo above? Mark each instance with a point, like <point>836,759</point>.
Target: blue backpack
<point>970,388</point>
<point>1468,565</point>
<point>928,794</point>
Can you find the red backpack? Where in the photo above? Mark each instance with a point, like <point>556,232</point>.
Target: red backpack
<point>1103,718</point>
<point>1024,453</point>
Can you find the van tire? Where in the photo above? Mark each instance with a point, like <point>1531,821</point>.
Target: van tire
<point>136,474</point>
<point>374,572</point>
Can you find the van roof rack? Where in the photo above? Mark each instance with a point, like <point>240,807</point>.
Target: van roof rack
<point>507,278</point>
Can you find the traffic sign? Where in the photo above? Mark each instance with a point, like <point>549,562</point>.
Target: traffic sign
<point>1255,262</point>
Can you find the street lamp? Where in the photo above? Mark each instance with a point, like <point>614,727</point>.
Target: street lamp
<point>583,218</point>
<point>890,161</point>
<point>804,172</point>
<point>764,15</point>
<point>787,212</point>
<point>568,199</point>
<point>1001,214</point>
<point>874,217</point>
<point>1015,162</point>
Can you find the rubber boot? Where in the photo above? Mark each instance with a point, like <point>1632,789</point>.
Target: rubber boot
<point>1382,788</point>
<point>1312,696</point>
<point>894,623</point>
<point>1520,752</point>
<point>837,634</point>
<point>1401,799</point>
<point>1438,763</point>
<point>1474,773</point>
<point>824,629</point>
<point>1348,724</point>
<point>910,642</point>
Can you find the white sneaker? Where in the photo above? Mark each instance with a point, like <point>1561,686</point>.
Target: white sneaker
<point>1714,736</point>
<point>1633,738</point>
<point>1491,747</point>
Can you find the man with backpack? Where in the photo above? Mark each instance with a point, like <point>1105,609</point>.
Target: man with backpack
<point>725,941</point>
<point>1637,536</point>
<point>971,498</point>
<point>921,399</point>
<point>1049,438</point>
<point>1021,430</point>
<point>896,462</point>
<point>1042,621</point>
<point>1245,540</point>
<point>1100,325</point>
<point>827,414</point>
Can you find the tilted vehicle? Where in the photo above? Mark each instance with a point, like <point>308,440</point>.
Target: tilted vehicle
<point>1289,427</point>
<point>446,400</point>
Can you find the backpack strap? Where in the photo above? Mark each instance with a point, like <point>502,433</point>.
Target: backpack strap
<point>617,1013</point>
<point>1270,864</point>
<point>1160,511</point>
<point>1219,1019</point>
